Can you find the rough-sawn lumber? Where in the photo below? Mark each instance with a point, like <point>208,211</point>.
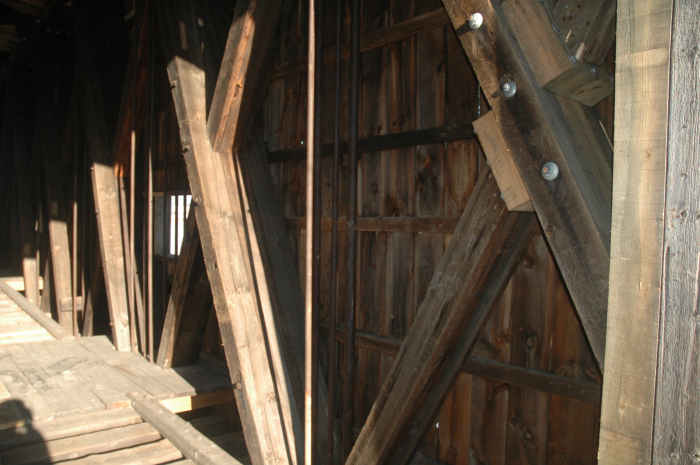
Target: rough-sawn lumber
<point>483,229</point>
<point>574,209</point>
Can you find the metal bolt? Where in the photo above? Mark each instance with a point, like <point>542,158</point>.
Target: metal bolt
<point>476,20</point>
<point>550,171</point>
<point>508,87</point>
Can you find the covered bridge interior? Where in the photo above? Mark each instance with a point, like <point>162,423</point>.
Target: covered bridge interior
<point>355,232</point>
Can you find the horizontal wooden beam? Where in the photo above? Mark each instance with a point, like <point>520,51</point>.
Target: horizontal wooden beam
<point>193,444</point>
<point>543,381</point>
<point>17,282</point>
<point>586,391</point>
<point>198,401</point>
<point>387,224</point>
<point>450,304</point>
<point>26,8</point>
<point>482,299</point>
<point>379,38</point>
<point>44,320</point>
<point>385,142</point>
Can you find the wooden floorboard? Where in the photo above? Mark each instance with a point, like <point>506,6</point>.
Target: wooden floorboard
<point>54,379</point>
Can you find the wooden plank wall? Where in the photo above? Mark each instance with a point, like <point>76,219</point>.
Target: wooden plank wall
<point>420,82</point>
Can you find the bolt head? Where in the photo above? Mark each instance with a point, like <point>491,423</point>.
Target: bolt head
<point>509,88</point>
<point>550,171</point>
<point>476,20</point>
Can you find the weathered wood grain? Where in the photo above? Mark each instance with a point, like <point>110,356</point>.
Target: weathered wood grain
<point>507,176</point>
<point>193,444</point>
<point>222,231</point>
<point>35,312</point>
<point>636,267</point>
<point>677,406</point>
<point>484,226</point>
<point>572,209</point>
<point>106,195</point>
<point>177,308</point>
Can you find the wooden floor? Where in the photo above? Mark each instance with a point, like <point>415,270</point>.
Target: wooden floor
<point>58,378</point>
<point>15,325</point>
<point>68,401</point>
<point>116,437</point>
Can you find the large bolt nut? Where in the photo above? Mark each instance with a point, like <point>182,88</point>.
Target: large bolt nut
<point>508,87</point>
<point>476,20</point>
<point>550,171</point>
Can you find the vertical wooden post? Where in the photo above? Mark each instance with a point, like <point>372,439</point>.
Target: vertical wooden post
<point>106,194</point>
<point>352,232</point>
<point>74,251</point>
<point>60,252</point>
<point>650,411</point>
<point>222,229</point>
<point>312,241</point>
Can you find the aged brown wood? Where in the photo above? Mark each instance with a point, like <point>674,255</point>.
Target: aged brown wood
<point>383,142</point>
<point>74,447</point>
<point>587,391</point>
<point>382,37</point>
<point>507,176</point>
<point>479,305</point>
<point>193,444</point>
<point>177,308</point>
<point>60,255</point>
<point>56,330</point>
<point>106,195</point>
<point>221,228</point>
<point>484,227</point>
<point>105,191</point>
<point>266,224</point>
<point>27,8</point>
<point>574,208</point>
<point>650,391</point>
<point>252,29</point>
<point>636,267</point>
<point>388,224</point>
<point>30,270</point>
<point>263,226</point>
<point>190,303</point>
<point>677,407</point>
<point>586,28</point>
<point>584,83</point>
<point>73,425</point>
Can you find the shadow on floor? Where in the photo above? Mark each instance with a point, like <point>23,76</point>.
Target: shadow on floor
<point>19,441</point>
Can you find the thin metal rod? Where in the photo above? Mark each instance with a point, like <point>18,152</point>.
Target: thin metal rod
<point>74,250</point>
<point>352,240</point>
<point>333,306</point>
<point>311,262</point>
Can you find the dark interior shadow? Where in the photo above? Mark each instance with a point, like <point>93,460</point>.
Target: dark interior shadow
<point>20,443</point>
